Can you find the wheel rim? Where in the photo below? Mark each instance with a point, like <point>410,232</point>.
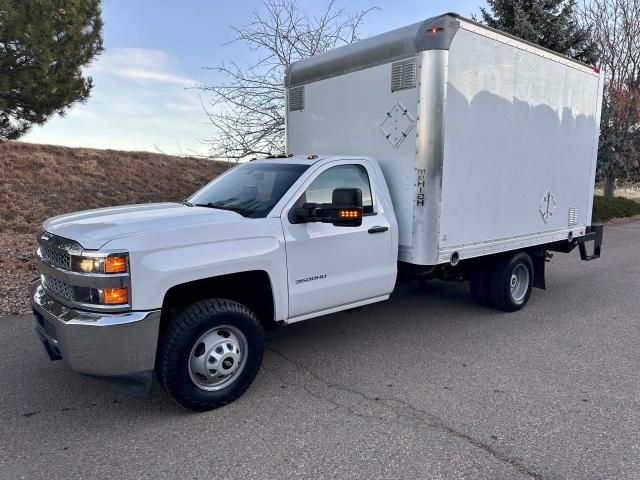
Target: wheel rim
<point>519,283</point>
<point>218,357</point>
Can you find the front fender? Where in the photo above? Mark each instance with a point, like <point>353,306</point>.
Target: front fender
<point>161,262</point>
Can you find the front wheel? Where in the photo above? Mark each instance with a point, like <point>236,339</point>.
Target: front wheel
<point>511,282</point>
<point>210,353</point>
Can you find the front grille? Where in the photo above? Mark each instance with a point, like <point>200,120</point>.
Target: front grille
<point>58,288</point>
<point>56,250</point>
<point>56,256</point>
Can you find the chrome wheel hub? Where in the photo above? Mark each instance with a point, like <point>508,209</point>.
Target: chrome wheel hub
<point>217,358</point>
<point>519,283</point>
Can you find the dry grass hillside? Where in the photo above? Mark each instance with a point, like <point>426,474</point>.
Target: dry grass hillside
<point>40,181</point>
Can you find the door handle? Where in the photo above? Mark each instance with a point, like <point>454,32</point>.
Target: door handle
<point>378,229</point>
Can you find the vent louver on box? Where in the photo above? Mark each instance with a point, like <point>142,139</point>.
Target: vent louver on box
<point>573,216</point>
<point>403,74</point>
<point>296,98</point>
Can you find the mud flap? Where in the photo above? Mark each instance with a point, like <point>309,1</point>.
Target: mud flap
<point>538,271</point>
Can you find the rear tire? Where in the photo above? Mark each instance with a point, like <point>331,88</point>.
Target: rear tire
<point>479,283</point>
<point>511,282</point>
<point>210,353</point>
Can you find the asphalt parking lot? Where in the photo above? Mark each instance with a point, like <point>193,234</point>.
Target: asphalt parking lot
<point>428,385</point>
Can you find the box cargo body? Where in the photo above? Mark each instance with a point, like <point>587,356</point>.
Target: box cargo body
<point>487,143</point>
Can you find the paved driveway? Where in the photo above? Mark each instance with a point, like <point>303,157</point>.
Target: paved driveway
<point>428,385</point>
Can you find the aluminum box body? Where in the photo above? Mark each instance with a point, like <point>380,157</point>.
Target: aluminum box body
<point>487,143</point>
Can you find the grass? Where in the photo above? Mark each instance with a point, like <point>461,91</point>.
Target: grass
<point>605,208</point>
<point>40,181</point>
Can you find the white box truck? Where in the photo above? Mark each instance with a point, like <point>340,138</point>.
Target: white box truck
<point>444,149</point>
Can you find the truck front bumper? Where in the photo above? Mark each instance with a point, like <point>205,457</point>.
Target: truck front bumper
<point>119,347</point>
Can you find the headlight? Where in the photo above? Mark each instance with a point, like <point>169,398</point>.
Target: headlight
<point>102,291</point>
<point>85,265</point>
<point>89,263</point>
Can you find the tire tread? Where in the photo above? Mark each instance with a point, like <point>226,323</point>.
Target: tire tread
<point>499,289</point>
<point>182,326</point>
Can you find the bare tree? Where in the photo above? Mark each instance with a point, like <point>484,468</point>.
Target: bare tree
<point>615,29</point>
<point>247,110</point>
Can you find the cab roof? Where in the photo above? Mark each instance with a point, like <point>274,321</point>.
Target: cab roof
<point>308,159</point>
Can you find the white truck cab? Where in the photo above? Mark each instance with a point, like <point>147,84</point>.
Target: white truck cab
<point>414,155</point>
<point>240,237</point>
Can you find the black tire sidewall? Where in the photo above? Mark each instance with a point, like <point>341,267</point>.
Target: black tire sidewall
<point>501,282</point>
<point>189,326</point>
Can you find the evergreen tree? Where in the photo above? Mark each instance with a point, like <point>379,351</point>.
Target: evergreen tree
<point>548,23</point>
<point>43,46</point>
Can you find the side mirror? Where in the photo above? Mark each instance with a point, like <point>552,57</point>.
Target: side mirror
<point>345,209</point>
<point>346,206</point>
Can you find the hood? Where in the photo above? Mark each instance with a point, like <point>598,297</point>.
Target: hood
<point>93,228</point>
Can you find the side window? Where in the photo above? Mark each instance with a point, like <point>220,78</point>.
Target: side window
<point>351,176</point>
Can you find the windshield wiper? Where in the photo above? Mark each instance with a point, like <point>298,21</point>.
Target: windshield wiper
<point>187,203</point>
<point>219,206</point>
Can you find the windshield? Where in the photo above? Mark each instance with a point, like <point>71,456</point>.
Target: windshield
<point>250,189</point>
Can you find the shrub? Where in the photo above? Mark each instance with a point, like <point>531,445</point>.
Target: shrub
<point>606,208</point>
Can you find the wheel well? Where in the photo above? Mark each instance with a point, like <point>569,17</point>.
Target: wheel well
<point>252,289</point>
<point>537,254</point>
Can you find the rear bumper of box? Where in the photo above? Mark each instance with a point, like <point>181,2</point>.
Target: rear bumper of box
<point>593,233</point>
<point>119,347</point>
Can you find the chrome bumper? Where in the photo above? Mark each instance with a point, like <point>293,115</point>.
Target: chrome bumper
<point>120,347</point>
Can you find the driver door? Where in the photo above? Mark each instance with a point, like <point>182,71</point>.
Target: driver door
<point>332,268</point>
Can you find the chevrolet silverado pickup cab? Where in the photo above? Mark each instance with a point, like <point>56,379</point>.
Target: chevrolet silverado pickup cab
<point>186,288</point>
<point>442,150</point>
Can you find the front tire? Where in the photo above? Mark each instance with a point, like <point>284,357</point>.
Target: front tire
<point>511,282</point>
<point>210,353</point>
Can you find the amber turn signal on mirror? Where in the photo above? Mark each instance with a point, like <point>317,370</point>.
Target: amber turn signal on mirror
<point>350,214</point>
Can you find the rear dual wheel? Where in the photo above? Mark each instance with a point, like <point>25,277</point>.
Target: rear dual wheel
<point>505,284</point>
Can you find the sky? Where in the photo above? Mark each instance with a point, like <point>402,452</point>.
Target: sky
<point>156,51</point>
